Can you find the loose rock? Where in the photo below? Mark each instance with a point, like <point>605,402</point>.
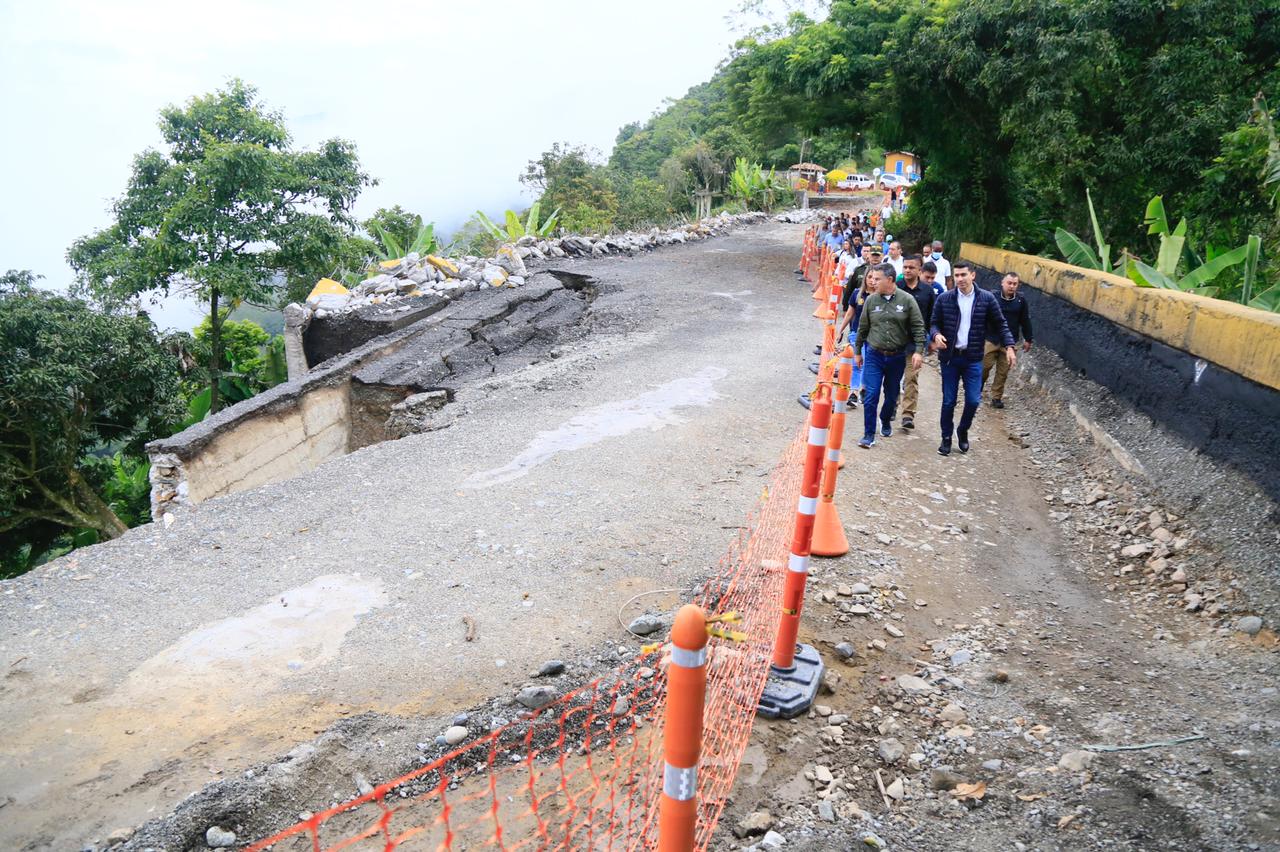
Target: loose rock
<point>891,750</point>
<point>753,824</point>
<point>913,685</point>
<point>645,624</point>
<point>1250,624</point>
<point>550,668</point>
<point>1076,761</point>
<point>536,697</point>
<point>217,837</point>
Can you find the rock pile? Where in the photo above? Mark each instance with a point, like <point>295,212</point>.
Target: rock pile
<point>1153,553</point>
<point>805,216</point>
<point>417,275</point>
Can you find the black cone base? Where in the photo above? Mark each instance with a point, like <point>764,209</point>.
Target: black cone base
<point>790,692</point>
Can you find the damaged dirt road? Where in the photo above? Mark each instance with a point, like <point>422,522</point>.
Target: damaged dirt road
<point>313,635</point>
<point>412,578</point>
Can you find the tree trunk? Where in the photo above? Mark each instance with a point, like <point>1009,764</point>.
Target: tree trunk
<point>215,346</point>
<point>103,519</point>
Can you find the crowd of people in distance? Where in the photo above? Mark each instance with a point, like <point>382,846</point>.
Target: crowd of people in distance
<point>901,309</point>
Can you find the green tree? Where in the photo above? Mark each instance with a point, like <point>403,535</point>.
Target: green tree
<point>223,211</point>
<point>395,222</point>
<point>73,380</point>
<point>320,248</point>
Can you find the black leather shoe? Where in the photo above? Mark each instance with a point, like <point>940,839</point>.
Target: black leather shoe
<point>944,449</point>
<point>997,403</point>
<point>963,439</point>
<point>908,423</point>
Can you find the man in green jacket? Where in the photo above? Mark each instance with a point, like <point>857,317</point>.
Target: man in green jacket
<point>892,327</point>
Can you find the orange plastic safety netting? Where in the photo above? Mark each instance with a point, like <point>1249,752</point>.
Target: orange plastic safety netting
<point>585,772</point>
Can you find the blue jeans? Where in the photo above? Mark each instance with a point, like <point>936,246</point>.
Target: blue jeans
<point>953,371</point>
<point>883,370</point>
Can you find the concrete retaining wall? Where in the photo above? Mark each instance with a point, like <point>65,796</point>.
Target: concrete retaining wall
<point>290,429</point>
<point>1206,370</point>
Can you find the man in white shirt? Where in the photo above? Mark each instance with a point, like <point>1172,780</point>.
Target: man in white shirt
<point>943,265</point>
<point>962,320</point>
<point>895,257</point>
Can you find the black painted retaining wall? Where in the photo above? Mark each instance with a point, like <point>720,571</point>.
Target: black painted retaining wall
<point>1229,418</point>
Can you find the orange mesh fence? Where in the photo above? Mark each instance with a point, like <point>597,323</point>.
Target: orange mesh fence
<point>586,771</point>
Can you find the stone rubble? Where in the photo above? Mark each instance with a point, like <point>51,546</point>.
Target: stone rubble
<point>415,275</point>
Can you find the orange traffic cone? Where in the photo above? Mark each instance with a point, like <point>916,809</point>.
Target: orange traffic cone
<point>823,267</point>
<point>828,533</point>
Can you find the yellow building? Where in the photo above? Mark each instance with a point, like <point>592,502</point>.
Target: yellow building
<point>902,163</point>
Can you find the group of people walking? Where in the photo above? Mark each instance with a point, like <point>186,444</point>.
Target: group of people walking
<point>900,309</point>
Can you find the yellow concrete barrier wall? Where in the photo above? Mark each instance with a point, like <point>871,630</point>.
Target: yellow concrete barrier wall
<point>1241,339</point>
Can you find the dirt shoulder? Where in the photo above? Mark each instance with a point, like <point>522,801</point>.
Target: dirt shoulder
<point>1042,593</point>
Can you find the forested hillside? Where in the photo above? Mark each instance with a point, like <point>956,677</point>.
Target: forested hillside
<point>1015,108</point>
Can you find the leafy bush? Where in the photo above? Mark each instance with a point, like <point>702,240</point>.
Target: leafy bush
<point>73,380</point>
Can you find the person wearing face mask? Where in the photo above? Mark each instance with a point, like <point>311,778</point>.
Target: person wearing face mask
<point>943,266</point>
<point>929,275</point>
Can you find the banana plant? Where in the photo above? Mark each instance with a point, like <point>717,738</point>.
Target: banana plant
<point>1267,300</point>
<point>1077,252</point>
<point>514,229</point>
<point>753,189</point>
<point>275,369</point>
<point>1172,241</point>
<point>424,242</point>
<point>1195,281</point>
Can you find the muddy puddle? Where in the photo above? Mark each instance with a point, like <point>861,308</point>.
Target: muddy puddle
<point>651,410</point>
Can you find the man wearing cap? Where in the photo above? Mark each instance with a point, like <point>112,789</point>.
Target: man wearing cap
<point>892,329</point>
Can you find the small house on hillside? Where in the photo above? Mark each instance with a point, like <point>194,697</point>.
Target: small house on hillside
<point>902,163</point>
<point>805,171</point>
<point>805,175</point>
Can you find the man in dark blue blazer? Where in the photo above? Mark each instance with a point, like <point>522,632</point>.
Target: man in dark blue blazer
<point>961,320</point>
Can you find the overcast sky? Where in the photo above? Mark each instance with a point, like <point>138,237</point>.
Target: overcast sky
<point>446,101</point>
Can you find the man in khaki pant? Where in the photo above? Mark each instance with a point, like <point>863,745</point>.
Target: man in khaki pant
<point>1017,315</point>
<point>923,293</point>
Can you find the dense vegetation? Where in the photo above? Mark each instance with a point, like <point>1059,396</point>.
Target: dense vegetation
<point>1015,108</point>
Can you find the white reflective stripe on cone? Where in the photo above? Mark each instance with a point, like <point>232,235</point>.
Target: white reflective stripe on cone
<point>841,406</point>
<point>833,455</point>
<point>798,564</point>
<point>680,784</point>
<point>817,437</point>
<point>686,659</point>
<point>807,505</point>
